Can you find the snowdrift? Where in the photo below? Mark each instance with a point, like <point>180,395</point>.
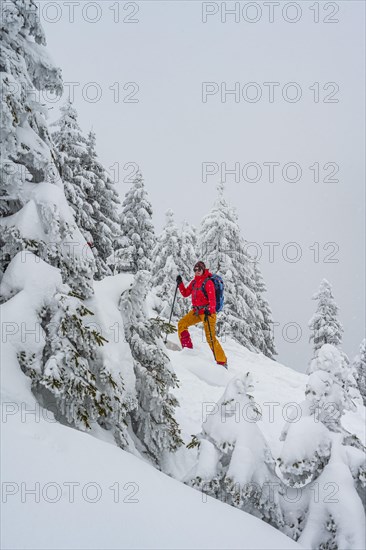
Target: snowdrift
<point>66,489</point>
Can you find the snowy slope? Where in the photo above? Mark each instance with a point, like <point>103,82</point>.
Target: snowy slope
<point>167,513</point>
<point>106,497</point>
<point>277,391</point>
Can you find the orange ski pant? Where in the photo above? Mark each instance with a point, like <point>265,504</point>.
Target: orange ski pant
<point>192,319</point>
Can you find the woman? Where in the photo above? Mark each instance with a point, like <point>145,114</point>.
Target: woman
<point>203,294</point>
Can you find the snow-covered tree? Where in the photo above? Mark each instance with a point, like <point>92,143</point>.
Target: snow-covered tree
<point>66,378</point>
<point>71,148</point>
<point>25,70</point>
<point>103,198</point>
<point>319,453</point>
<point>331,387</point>
<point>324,324</point>
<point>48,267</point>
<point>37,218</point>
<point>224,251</point>
<point>167,265</point>
<point>88,187</point>
<point>266,345</point>
<point>45,226</point>
<point>39,229</point>
<point>134,249</point>
<point>235,463</point>
<point>153,421</point>
<point>187,259</point>
<point>188,251</point>
<point>359,364</point>
<point>83,393</point>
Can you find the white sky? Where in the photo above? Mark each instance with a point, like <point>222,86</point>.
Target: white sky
<point>170,132</point>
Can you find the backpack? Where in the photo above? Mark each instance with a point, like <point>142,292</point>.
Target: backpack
<point>219,291</point>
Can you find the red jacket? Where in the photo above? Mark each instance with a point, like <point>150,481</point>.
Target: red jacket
<point>198,297</point>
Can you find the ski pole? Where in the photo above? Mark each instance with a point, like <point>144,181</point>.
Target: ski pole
<point>171,312</point>
<point>213,348</point>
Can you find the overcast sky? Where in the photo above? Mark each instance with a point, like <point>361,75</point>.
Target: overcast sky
<point>148,62</point>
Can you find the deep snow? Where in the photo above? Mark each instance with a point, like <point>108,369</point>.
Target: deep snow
<point>135,505</point>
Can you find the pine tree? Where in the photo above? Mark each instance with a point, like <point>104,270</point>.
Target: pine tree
<point>71,147</point>
<point>266,321</point>
<point>318,450</point>
<point>153,421</point>
<point>66,376</point>
<point>134,248</point>
<point>223,250</point>
<point>167,265</point>
<point>359,365</point>
<point>88,188</point>
<point>188,251</point>
<point>26,70</point>
<point>331,386</point>
<point>37,218</point>
<point>235,463</point>
<point>104,201</point>
<point>325,327</point>
<point>48,268</point>
<point>187,257</point>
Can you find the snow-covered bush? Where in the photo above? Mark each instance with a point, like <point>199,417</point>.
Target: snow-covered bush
<point>318,455</point>
<point>66,377</point>
<point>45,227</point>
<point>331,388</point>
<point>336,521</point>
<point>235,463</point>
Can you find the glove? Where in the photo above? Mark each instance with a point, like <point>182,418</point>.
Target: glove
<point>179,280</point>
<point>207,313</point>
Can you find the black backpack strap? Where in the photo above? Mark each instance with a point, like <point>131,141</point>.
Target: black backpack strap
<point>203,287</point>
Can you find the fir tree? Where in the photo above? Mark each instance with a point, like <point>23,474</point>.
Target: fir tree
<point>359,365</point>
<point>318,449</point>
<point>187,259</point>
<point>104,201</point>
<point>71,147</point>
<point>223,250</point>
<point>267,345</point>
<point>153,421</point>
<point>66,376</point>
<point>88,188</point>
<point>25,70</point>
<point>188,251</point>
<point>134,248</point>
<point>167,265</point>
<point>325,327</point>
<point>37,217</point>
<point>331,388</point>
